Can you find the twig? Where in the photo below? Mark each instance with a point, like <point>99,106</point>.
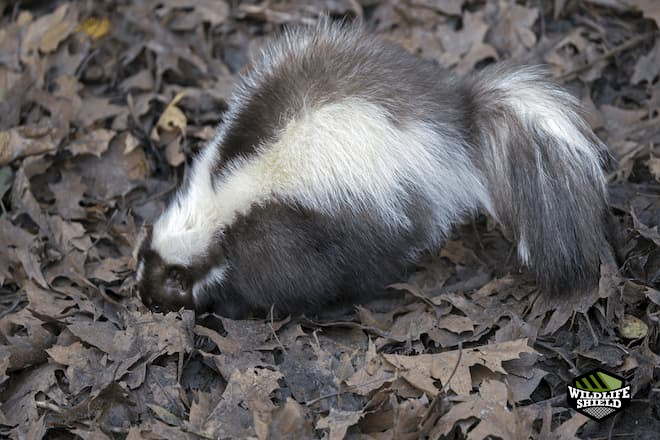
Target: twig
<point>12,307</point>
<point>195,432</point>
<point>345,390</point>
<point>451,376</point>
<point>610,53</point>
<point>609,434</point>
<point>591,329</point>
<point>49,406</point>
<point>443,392</point>
<point>553,349</point>
<point>271,324</point>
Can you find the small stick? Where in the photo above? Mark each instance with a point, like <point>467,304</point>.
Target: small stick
<point>620,48</point>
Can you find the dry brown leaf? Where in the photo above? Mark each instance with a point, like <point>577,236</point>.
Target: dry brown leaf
<point>490,411</point>
<point>646,68</point>
<point>338,422</point>
<point>114,173</point>
<point>253,387</point>
<point>47,302</point>
<point>633,328</point>
<point>48,31</point>
<point>211,11</point>
<point>172,120</point>
<point>19,403</point>
<point>512,28</point>
<point>174,152</point>
<point>94,27</point>
<point>289,421</point>
<point>423,370</point>
<point>568,430</point>
<point>575,51</point>
<point>450,7</point>
<point>95,142</point>
<point>68,194</point>
<point>618,121</point>
<point>645,231</point>
<point>70,236</point>
<point>25,141</point>
<point>225,345</point>
<point>82,367</point>
<point>456,323</point>
<point>457,44</point>
<point>95,109</point>
<point>111,269</point>
<point>650,8</point>
<point>200,408</point>
<point>458,253</point>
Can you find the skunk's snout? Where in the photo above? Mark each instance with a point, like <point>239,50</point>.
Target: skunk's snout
<point>164,288</point>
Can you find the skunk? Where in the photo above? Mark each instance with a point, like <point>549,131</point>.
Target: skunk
<point>343,157</point>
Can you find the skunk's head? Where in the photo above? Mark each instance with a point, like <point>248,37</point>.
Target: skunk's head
<point>163,287</point>
<point>167,282</point>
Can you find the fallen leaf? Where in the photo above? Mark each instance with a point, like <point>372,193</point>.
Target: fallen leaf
<point>171,120</point>
<point>633,328</point>
<point>95,142</point>
<point>650,8</point>
<point>423,370</point>
<point>512,29</point>
<point>490,409</point>
<point>338,422</point>
<point>646,68</point>
<point>290,421</point>
<point>48,31</point>
<point>253,387</point>
<point>69,192</point>
<point>94,27</point>
<point>25,141</point>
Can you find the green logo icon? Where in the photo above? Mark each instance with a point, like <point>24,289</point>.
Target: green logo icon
<point>598,394</point>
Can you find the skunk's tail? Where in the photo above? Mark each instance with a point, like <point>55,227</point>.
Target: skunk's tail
<point>543,170</point>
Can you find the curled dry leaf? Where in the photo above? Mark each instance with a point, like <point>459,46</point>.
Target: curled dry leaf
<point>172,120</point>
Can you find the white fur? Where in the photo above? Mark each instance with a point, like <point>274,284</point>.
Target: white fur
<point>139,273</point>
<point>213,278</point>
<point>545,107</point>
<point>342,154</point>
<point>542,106</point>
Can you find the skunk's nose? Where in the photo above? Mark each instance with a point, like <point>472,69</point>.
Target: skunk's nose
<point>171,298</point>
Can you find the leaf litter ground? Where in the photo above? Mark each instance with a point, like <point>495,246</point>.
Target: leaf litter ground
<point>103,105</point>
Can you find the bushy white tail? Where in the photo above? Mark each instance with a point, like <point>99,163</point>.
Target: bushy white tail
<point>543,168</point>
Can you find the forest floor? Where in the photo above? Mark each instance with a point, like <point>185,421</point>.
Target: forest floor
<point>102,106</point>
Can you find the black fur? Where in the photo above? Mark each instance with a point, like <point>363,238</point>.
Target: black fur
<point>297,260</point>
